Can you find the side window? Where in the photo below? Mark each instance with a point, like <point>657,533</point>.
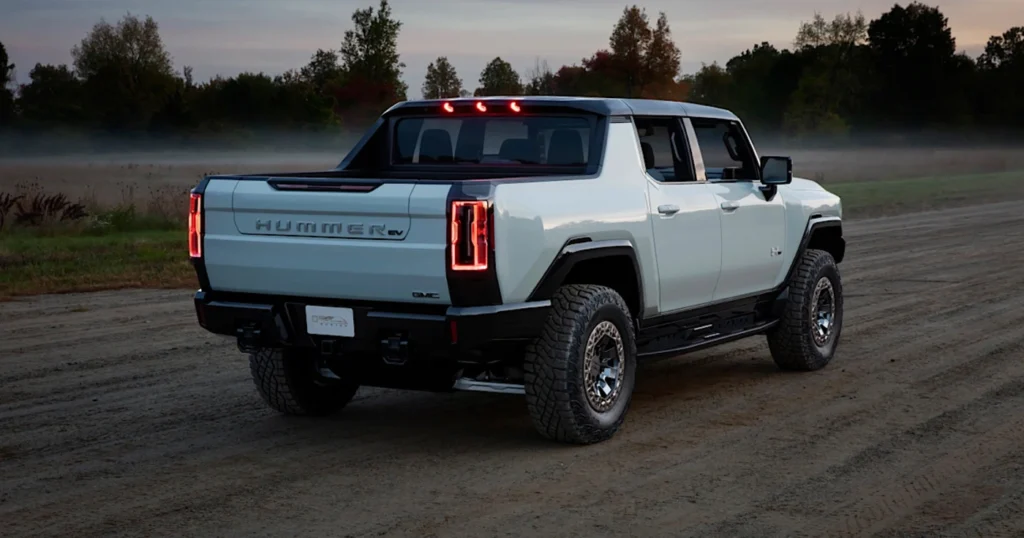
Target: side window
<point>664,149</point>
<point>726,152</point>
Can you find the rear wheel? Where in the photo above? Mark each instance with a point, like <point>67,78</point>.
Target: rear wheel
<point>288,381</point>
<point>579,374</point>
<point>808,332</point>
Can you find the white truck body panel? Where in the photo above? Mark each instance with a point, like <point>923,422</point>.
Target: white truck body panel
<point>753,236</point>
<point>534,219</point>
<point>688,243</point>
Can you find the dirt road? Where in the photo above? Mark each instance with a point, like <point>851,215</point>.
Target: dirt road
<point>118,416</point>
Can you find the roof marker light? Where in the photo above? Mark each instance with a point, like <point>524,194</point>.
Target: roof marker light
<point>515,106</point>
<point>448,107</point>
<point>481,106</point>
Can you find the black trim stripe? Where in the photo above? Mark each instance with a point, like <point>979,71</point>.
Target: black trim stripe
<point>471,288</point>
<point>323,186</point>
<point>580,249</point>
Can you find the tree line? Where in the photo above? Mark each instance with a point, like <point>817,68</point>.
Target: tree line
<point>900,71</point>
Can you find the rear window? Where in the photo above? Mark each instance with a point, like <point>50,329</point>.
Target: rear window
<point>559,141</point>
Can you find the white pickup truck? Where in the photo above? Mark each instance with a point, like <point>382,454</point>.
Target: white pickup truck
<point>536,246</point>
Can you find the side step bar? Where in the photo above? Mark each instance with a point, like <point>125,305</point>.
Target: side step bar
<point>704,342</point>
<point>467,384</point>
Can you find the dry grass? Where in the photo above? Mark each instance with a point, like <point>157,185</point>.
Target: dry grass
<point>125,180</point>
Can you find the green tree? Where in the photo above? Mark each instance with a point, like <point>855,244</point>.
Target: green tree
<point>913,53</point>
<point>369,52</point>
<point>126,69</point>
<point>843,32</point>
<point>540,80</point>
<point>1000,100</point>
<point>133,45</point>
<point>762,79</point>
<point>1001,50</point>
<point>53,96</point>
<point>322,69</point>
<point>828,84</point>
<point>6,95</point>
<point>710,85</point>
<point>441,81</point>
<point>6,69</point>
<point>498,78</point>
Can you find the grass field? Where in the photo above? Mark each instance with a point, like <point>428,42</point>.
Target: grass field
<point>139,240</point>
<point>890,197</point>
<point>68,263</point>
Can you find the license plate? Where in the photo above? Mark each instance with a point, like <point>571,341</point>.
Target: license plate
<point>327,321</point>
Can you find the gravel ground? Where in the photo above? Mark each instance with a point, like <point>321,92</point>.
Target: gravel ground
<point>120,416</point>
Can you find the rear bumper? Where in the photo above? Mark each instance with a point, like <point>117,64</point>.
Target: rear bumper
<point>404,331</point>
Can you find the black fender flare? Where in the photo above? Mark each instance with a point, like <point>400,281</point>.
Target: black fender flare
<point>815,224</point>
<point>581,249</point>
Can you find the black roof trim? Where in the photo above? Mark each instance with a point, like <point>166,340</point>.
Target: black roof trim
<point>604,106</point>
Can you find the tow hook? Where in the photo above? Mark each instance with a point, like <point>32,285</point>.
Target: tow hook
<point>395,350</point>
<point>249,338</point>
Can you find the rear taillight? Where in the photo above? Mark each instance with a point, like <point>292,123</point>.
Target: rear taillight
<point>470,235</point>
<point>195,226</point>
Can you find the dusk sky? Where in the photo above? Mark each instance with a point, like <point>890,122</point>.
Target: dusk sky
<point>230,36</point>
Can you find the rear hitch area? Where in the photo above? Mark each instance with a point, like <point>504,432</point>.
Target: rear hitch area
<point>250,337</point>
<point>394,350</point>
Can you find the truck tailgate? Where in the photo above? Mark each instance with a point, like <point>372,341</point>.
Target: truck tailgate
<point>384,242</point>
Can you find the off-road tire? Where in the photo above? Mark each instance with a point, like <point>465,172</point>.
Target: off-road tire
<point>792,342</point>
<point>288,382</point>
<point>554,366</point>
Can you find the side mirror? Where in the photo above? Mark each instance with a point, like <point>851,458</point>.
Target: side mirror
<point>776,170</point>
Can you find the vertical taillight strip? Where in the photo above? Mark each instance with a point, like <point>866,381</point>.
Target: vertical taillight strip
<point>470,235</point>
<point>195,226</point>
<point>470,262</point>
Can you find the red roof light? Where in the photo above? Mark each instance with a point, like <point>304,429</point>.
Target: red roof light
<point>515,107</point>
<point>448,108</point>
<point>481,106</point>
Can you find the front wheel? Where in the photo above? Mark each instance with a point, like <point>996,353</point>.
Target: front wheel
<point>579,374</point>
<point>289,383</point>
<point>807,334</point>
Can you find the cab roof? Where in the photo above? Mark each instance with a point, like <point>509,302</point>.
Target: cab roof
<point>606,106</point>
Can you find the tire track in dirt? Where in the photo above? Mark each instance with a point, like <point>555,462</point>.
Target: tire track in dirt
<point>795,437</point>
<point>135,428</point>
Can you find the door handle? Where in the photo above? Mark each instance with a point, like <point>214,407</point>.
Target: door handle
<point>730,206</point>
<point>668,209</point>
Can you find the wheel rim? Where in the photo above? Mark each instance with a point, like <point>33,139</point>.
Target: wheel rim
<point>604,366</point>
<point>824,313</point>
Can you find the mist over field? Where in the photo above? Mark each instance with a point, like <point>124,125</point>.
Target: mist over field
<point>101,165</point>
